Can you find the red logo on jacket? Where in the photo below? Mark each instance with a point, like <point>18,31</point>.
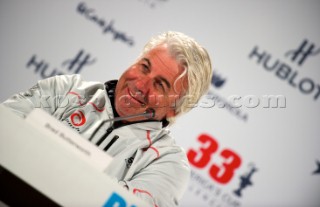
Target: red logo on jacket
<point>78,118</point>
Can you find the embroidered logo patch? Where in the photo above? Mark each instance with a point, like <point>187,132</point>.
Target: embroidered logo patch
<point>129,161</point>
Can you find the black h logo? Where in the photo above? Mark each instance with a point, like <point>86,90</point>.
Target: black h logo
<point>79,61</point>
<point>302,52</point>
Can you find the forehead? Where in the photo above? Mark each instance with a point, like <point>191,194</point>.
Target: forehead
<point>161,59</point>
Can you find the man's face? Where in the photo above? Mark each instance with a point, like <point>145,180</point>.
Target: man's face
<point>150,83</point>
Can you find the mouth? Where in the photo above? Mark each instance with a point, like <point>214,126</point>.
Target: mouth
<point>139,98</point>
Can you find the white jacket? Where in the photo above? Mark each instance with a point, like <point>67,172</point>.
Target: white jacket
<point>146,159</point>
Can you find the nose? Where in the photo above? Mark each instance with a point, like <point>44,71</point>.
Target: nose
<point>142,86</point>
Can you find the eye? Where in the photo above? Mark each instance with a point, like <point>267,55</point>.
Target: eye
<point>160,85</point>
<point>145,68</point>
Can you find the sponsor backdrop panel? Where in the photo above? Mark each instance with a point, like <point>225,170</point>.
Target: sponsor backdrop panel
<point>254,138</point>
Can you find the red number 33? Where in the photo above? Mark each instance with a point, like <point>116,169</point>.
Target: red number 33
<point>201,158</point>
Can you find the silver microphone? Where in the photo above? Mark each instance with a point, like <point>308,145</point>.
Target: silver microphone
<point>149,114</point>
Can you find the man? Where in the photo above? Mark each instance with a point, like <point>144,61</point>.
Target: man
<point>169,77</point>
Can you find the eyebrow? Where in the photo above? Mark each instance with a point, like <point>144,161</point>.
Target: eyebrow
<point>160,77</point>
<point>148,61</point>
<point>165,81</point>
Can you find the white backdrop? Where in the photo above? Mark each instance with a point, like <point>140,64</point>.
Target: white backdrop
<point>264,154</point>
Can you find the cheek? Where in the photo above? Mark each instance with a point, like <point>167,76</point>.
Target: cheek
<point>132,70</point>
<point>130,74</point>
<point>126,76</point>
